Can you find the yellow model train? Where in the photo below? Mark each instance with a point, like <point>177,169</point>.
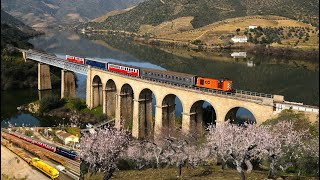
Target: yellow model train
<point>45,168</point>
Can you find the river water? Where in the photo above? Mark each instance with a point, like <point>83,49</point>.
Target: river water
<point>297,80</point>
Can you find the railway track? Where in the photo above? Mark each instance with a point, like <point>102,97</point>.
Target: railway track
<point>72,165</point>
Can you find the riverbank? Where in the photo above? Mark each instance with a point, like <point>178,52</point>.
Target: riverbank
<point>286,52</point>
<point>73,111</point>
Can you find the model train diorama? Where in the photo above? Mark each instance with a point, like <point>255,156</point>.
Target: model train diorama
<point>59,150</point>
<point>222,84</point>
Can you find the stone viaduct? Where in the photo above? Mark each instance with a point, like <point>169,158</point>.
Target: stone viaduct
<point>129,99</point>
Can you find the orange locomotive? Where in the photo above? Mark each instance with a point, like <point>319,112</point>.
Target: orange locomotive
<point>218,84</point>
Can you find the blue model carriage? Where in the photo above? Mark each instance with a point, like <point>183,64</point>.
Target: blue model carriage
<point>66,153</point>
<point>95,63</point>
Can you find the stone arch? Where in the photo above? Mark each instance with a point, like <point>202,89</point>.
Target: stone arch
<point>169,125</point>
<point>240,115</point>
<point>97,91</point>
<point>126,106</point>
<point>202,114</point>
<point>146,120</point>
<point>110,99</point>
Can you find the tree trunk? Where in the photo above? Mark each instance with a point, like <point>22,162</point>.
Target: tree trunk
<point>179,169</point>
<point>272,169</point>
<point>223,165</point>
<point>249,166</point>
<point>108,174</point>
<point>240,170</point>
<point>242,176</point>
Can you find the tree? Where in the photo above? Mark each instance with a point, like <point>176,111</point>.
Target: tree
<point>238,30</point>
<point>282,138</point>
<point>50,102</point>
<point>182,151</point>
<point>178,151</point>
<point>103,149</point>
<point>237,144</point>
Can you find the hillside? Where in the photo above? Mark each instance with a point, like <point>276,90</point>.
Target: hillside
<point>204,12</point>
<point>15,72</point>
<point>111,13</point>
<point>275,30</point>
<point>13,22</point>
<point>15,32</point>
<point>44,13</point>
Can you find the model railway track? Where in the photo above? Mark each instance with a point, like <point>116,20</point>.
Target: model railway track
<point>32,161</point>
<point>72,165</point>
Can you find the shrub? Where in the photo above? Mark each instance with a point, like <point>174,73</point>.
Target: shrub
<point>28,133</point>
<point>77,103</point>
<point>196,42</point>
<point>50,102</point>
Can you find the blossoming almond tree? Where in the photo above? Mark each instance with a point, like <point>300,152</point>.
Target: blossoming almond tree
<point>103,148</point>
<point>283,139</point>
<point>169,151</point>
<point>238,144</point>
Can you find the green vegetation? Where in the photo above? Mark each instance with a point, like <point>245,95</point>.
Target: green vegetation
<point>15,73</point>
<point>73,131</point>
<point>306,165</point>
<point>197,42</point>
<point>28,133</point>
<point>76,104</point>
<point>205,12</point>
<point>50,102</point>
<point>199,173</point>
<point>56,139</point>
<point>299,120</point>
<point>269,35</point>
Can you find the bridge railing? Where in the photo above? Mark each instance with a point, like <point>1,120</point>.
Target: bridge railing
<point>254,93</point>
<point>58,62</point>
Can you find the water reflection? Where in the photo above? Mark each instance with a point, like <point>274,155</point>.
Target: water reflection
<point>297,81</point>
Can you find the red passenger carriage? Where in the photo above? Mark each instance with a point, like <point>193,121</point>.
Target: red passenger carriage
<point>123,69</point>
<point>75,59</point>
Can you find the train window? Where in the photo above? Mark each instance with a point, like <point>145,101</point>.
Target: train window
<point>201,82</point>
<point>220,84</point>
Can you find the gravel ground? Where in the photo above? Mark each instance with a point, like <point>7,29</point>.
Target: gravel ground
<point>11,167</point>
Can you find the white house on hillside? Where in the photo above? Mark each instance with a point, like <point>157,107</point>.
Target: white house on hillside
<point>240,39</point>
<point>253,27</point>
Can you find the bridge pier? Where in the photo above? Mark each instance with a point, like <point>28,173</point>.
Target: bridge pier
<point>44,80</point>
<point>118,107</point>
<point>44,93</point>
<point>142,118</point>
<point>196,119</point>
<point>136,127</point>
<point>68,84</point>
<point>158,123</point>
<point>109,102</point>
<point>126,110</point>
<point>97,95</point>
<point>186,123</point>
